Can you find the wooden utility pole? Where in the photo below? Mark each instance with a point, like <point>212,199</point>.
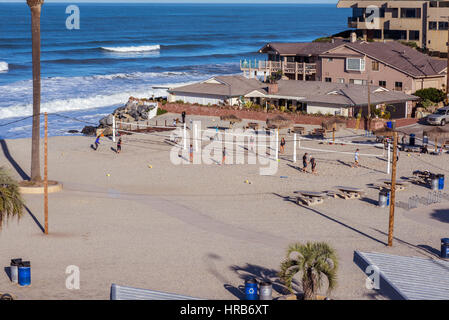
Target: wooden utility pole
<point>393,189</point>
<point>46,173</point>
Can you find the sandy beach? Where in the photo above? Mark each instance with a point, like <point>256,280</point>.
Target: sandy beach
<point>200,230</point>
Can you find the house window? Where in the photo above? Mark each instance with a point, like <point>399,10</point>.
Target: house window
<point>433,25</point>
<point>442,25</point>
<point>355,64</point>
<point>410,13</point>
<point>330,59</point>
<point>433,4</point>
<point>413,35</point>
<point>383,84</point>
<point>328,79</point>
<point>341,80</point>
<point>375,65</point>
<point>398,86</point>
<point>394,12</point>
<point>358,81</point>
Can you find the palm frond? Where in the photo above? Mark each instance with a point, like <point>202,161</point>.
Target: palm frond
<point>11,202</point>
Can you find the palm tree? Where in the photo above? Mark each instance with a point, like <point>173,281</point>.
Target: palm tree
<point>11,203</point>
<point>35,7</point>
<point>315,261</point>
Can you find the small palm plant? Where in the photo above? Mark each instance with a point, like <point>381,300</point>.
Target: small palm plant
<point>315,261</point>
<point>11,203</point>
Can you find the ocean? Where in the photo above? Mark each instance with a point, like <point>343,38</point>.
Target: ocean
<point>123,50</point>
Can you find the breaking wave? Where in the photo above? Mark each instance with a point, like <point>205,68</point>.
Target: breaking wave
<point>132,49</point>
<point>3,66</point>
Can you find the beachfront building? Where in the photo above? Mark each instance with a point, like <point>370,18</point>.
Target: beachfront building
<point>311,97</point>
<point>215,91</point>
<point>422,22</point>
<point>391,65</point>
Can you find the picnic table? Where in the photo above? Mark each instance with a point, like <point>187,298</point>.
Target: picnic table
<point>310,198</point>
<point>299,130</point>
<point>318,132</point>
<point>400,184</point>
<point>253,125</point>
<point>349,192</point>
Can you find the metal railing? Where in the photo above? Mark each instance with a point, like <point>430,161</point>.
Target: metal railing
<point>275,66</point>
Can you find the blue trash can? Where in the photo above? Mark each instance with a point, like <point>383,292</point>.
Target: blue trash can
<point>440,181</point>
<point>425,140</point>
<point>445,248</point>
<point>24,273</point>
<point>388,198</point>
<point>251,289</point>
<point>412,139</point>
<point>389,124</point>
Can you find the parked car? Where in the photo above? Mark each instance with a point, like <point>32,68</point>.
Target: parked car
<point>439,117</point>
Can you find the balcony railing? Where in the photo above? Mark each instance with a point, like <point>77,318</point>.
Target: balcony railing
<point>276,66</point>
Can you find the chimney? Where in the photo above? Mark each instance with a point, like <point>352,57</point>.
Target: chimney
<point>273,88</point>
<point>353,37</point>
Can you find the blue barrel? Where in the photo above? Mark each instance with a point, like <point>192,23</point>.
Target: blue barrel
<point>389,124</point>
<point>445,248</point>
<point>440,181</point>
<point>425,140</point>
<point>25,273</point>
<point>412,139</point>
<point>388,198</point>
<point>251,289</point>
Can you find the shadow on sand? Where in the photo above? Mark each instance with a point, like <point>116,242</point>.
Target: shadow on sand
<point>11,160</point>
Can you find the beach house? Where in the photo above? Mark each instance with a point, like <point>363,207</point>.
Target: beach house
<point>313,97</point>
<point>391,65</point>
<point>423,22</point>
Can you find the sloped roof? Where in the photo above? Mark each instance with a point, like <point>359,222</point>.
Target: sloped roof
<point>301,48</point>
<point>339,93</point>
<point>401,57</point>
<point>229,85</point>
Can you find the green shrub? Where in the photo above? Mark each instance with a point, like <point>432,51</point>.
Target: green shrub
<point>432,94</point>
<point>179,101</point>
<point>161,111</point>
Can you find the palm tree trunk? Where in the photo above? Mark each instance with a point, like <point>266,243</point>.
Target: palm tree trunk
<point>35,6</point>
<point>308,285</point>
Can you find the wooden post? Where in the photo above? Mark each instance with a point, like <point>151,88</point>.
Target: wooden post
<point>46,173</point>
<point>436,145</point>
<point>296,71</point>
<point>393,190</point>
<point>333,134</point>
<point>294,148</point>
<point>303,71</point>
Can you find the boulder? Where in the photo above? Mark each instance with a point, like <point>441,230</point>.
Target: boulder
<point>89,131</point>
<point>107,121</point>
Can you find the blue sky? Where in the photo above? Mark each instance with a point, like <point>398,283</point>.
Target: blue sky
<point>188,1</point>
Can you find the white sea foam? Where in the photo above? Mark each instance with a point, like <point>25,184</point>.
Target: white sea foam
<point>90,102</point>
<point>132,49</point>
<point>4,66</point>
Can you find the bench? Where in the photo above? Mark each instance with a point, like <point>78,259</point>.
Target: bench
<point>129,293</point>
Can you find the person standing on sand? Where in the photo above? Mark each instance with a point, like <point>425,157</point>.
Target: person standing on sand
<point>119,145</point>
<point>224,156</point>
<point>313,163</point>
<point>191,154</point>
<point>183,115</point>
<point>356,159</point>
<point>304,162</point>
<point>282,145</point>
